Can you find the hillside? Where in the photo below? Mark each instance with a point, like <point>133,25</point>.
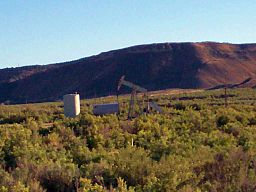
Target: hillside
<point>154,66</point>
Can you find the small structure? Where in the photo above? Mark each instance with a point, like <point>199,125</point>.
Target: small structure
<point>103,109</point>
<point>71,105</point>
<point>134,99</point>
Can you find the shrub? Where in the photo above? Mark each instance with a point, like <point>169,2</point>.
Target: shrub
<point>222,120</point>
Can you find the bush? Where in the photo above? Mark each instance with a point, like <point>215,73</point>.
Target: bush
<point>222,120</point>
<point>179,106</point>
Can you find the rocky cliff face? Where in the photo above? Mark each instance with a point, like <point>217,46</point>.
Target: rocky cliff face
<point>154,66</point>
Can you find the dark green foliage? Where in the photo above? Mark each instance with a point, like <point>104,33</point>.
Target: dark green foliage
<point>252,121</point>
<point>222,120</point>
<point>13,119</point>
<point>179,106</point>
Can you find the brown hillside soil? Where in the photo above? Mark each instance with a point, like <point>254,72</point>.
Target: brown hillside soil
<point>236,62</point>
<point>155,67</point>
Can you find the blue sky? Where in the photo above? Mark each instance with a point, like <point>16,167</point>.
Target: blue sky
<point>50,31</point>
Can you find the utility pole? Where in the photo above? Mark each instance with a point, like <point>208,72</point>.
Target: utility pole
<point>225,95</point>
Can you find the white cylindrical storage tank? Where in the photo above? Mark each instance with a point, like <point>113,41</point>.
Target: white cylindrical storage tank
<point>71,105</point>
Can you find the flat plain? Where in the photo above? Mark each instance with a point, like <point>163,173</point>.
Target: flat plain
<point>197,144</point>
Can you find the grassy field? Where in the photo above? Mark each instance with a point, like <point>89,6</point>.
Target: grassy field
<point>198,144</point>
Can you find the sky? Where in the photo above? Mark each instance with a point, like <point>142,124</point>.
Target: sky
<point>36,32</point>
